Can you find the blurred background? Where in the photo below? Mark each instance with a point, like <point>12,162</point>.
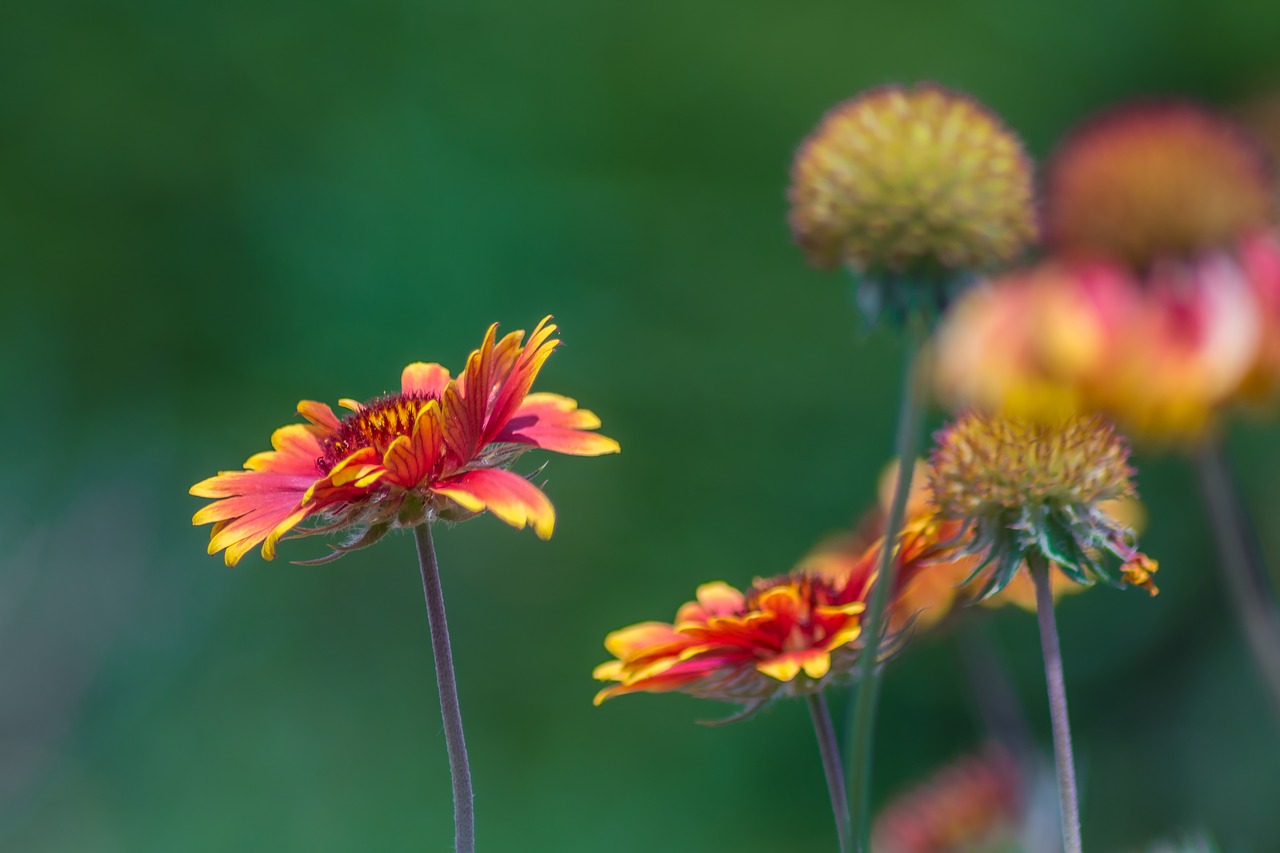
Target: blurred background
<point>210,211</point>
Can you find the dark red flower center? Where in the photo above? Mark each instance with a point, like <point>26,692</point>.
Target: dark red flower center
<point>380,422</point>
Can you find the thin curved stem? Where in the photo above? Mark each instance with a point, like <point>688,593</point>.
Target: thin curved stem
<point>464,821</point>
<point>906,447</point>
<point>1243,567</point>
<point>830,751</point>
<point>1062,752</point>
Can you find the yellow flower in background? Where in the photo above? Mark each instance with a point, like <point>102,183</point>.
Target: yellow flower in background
<point>1030,344</point>
<point>436,449</point>
<point>1183,199</point>
<point>1160,305</point>
<point>1161,357</point>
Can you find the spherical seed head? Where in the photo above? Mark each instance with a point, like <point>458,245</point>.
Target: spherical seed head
<point>990,465</point>
<point>1151,180</point>
<point>1025,490</point>
<point>902,178</point>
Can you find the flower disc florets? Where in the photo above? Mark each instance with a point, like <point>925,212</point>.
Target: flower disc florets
<point>376,424</point>
<point>991,464</point>
<point>1021,486</point>
<point>908,180</point>
<point>1155,180</point>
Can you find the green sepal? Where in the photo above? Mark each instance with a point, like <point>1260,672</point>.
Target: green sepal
<point>989,543</point>
<point>928,290</point>
<point>1008,562</point>
<point>1058,543</point>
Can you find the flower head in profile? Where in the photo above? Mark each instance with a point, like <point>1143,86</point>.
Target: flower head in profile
<point>903,184</point>
<point>974,804</point>
<point>936,569</point>
<point>436,449</point>
<point>788,635</point>
<point>784,636</point>
<point>1020,487</point>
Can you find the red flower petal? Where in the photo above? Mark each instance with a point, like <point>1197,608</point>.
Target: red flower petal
<point>509,496</point>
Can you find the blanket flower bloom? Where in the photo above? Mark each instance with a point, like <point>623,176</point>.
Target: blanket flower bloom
<point>784,636</point>
<point>1161,303</point>
<point>1022,486</point>
<point>902,184</point>
<point>788,635</point>
<point>437,449</point>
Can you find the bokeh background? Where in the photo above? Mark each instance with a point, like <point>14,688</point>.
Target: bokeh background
<point>209,211</point>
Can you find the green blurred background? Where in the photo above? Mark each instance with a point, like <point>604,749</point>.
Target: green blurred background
<point>209,211</point>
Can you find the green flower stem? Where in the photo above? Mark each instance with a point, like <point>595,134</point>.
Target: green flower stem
<point>1243,566</point>
<point>907,447</point>
<point>1065,758</point>
<point>830,751</point>
<point>464,820</point>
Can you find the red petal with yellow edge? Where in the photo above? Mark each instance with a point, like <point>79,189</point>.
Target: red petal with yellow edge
<point>644,636</point>
<point>319,414</point>
<point>716,598</point>
<point>269,546</point>
<point>784,603</point>
<point>675,677</point>
<point>844,636</point>
<point>253,492</point>
<point>557,410</point>
<point>467,399</point>
<point>743,631</point>
<point>245,532</point>
<point>814,662</point>
<point>404,468</point>
<point>250,484</point>
<point>428,435</point>
<point>461,431</point>
<point>297,447</point>
<point>522,374</point>
<point>526,428</point>
<point>719,599</point>
<point>510,497</point>
<point>424,380</point>
<point>253,503</point>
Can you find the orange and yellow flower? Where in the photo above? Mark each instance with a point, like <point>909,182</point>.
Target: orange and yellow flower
<point>785,636</point>
<point>1160,305</point>
<point>437,449</point>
